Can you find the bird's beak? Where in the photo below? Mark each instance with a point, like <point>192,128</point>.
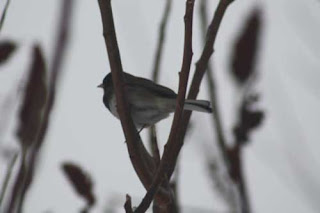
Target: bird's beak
<point>100,86</point>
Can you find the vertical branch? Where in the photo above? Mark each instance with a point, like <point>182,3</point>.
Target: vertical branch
<point>138,154</point>
<point>154,145</point>
<point>3,16</point>
<point>141,160</point>
<point>30,118</point>
<point>161,39</point>
<point>26,173</point>
<point>56,69</point>
<point>237,176</point>
<point>212,87</point>
<point>168,156</point>
<point>201,67</point>
<point>8,177</point>
<point>155,73</point>
<point>243,70</point>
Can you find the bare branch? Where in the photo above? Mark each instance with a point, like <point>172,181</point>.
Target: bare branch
<point>243,64</point>
<point>184,75</point>
<point>3,16</point>
<point>30,119</point>
<point>28,165</point>
<point>141,160</point>
<point>137,154</point>
<point>199,72</point>
<point>155,74</point>
<point>7,177</point>
<point>161,39</point>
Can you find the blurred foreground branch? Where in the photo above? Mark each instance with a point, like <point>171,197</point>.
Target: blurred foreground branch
<point>35,120</point>
<point>81,182</point>
<point>243,64</point>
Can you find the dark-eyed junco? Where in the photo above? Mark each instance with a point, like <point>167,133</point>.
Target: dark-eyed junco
<point>149,102</point>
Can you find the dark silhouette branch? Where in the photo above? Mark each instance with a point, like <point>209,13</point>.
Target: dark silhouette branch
<point>161,39</point>
<point>175,141</point>
<point>155,74</point>
<point>26,173</point>
<point>138,155</point>
<point>7,177</point>
<point>243,69</point>
<point>56,69</point>
<point>4,13</point>
<point>141,160</point>
<point>201,67</point>
<point>30,121</point>
<point>155,77</point>
<point>184,75</point>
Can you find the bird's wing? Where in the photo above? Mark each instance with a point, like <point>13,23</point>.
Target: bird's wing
<point>150,85</point>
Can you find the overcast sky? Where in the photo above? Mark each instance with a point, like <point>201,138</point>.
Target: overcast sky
<point>281,163</point>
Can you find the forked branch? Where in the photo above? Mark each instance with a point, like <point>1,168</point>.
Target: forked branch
<point>168,158</point>
<point>141,160</point>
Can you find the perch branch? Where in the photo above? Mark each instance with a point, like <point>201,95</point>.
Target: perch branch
<point>167,158</point>
<point>141,160</point>
<point>137,154</point>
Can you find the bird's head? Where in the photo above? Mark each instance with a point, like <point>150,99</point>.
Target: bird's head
<point>106,83</point>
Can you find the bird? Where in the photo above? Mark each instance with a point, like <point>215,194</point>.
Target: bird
<point>149,102</point>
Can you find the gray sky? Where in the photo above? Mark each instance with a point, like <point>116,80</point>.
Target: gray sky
<point>282,161</point>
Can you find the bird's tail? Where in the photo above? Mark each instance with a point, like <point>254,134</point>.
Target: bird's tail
<point>198,105</point>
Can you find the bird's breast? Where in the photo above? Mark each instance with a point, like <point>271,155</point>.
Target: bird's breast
<point>113,106</point>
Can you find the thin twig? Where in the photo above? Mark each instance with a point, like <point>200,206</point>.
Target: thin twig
<point>154,145</point>
<point>3,16</point>
<point>184,75</point>
<point>161,39</point>
<point>8,177</point>
<point>155,74</point>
